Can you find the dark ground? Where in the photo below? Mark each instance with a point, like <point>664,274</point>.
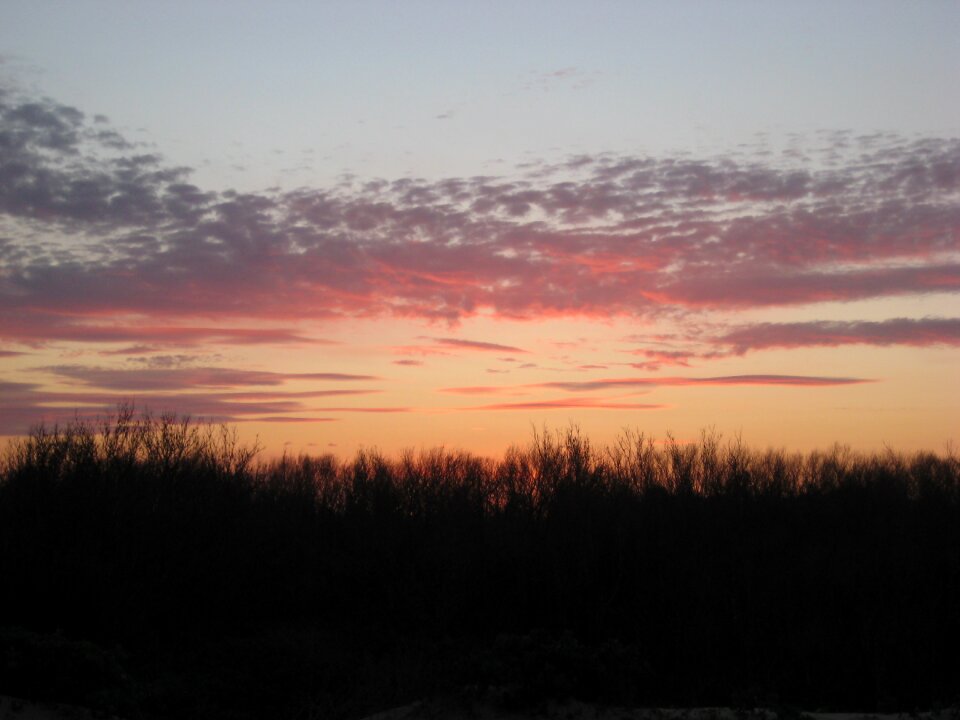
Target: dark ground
<point>152,570</point>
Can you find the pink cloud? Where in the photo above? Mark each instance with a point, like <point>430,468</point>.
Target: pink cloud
<point>288,419</point>
<point>786,380</point>
<point>475,345</point>
<point>569,404</point>
<point>481,390</point>
<point>449,346</point>
<point>598,236</point>
<point>153,379</point>
<point>156,262</point>
<point>422,350</point>
<point>657,358</point>
<point>365,409</point>
<point>131,350</point>
<point>255,395</point>
<point>792,380</point>
<point>645,383</point>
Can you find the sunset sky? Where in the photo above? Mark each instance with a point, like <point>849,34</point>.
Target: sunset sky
<point>353,224</point>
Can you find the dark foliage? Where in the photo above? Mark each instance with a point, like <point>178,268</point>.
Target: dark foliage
<point>72,671</point>
<point>702,574</point>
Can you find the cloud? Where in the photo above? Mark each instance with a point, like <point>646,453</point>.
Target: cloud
<point>481,390</point>
<point>180,391</point>
<point>449,345</point>
<point>794,380</point>
<point>43,327</point>
<point>782,286</point>
<point>419,350</point>
<point>786,380</point>
<point>700,343</point>
<point>158,361</point>
<point>18,414</point>
<point>16,389</point>
<point>475,345</point>
<point>365,409</point>
<point>161,379</point>
<point>897,331</point>
<point>50,171</point>
<point>550,79</point>
<point>104,243</point>
<point>288,419</point>
<point>644,383</point>
<point>598,236</point>
<point>569,404</point>
<point>257,395</point>
<point>655,359</point>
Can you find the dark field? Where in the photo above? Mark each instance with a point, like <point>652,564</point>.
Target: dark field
<point>152,568</point>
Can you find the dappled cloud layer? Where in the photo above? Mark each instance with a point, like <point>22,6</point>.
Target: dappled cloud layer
<point>861,217</point>
<point>104,243</point>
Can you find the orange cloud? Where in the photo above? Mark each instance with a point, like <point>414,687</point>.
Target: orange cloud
<point>567,404</point>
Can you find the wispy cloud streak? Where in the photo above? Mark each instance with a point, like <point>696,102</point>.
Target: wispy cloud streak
<point>654,382</point>
<point>783,380</point>
<point>568,404</point>
<point>898,331</point>
<point>178,378</point>
<point>460,344</point>
<point>33,328</point>
<point>215,394</point>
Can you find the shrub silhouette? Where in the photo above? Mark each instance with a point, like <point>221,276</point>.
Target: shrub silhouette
<point>714,572</point>
<point>75,671</point>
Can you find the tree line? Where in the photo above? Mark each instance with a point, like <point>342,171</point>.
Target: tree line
<point>183,577</point>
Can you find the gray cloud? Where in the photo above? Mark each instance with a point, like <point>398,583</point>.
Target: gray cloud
<point>600,235</point>
<point>154,379</point>
<point>896,331</point>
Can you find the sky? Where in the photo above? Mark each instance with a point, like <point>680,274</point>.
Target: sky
<point>348,225</point>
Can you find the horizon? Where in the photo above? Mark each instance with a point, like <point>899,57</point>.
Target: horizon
<point>352,226</point>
